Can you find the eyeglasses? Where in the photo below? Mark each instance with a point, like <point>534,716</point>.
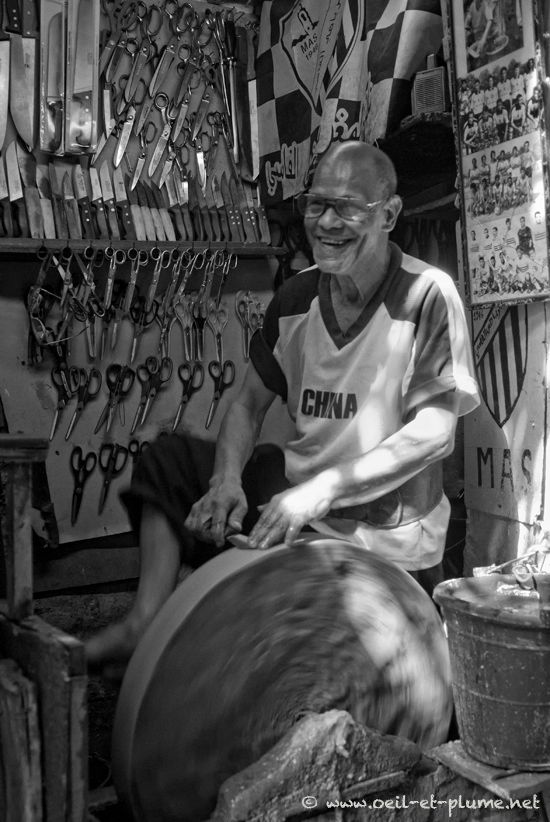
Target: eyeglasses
<point>347,208</point>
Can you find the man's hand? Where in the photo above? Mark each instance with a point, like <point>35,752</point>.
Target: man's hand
<point>287,513</point>
<point>219,513</point>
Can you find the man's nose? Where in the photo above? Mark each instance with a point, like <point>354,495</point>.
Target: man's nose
<point>329,217</point>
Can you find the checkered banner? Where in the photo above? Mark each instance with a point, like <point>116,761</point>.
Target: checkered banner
<point>332,70</point>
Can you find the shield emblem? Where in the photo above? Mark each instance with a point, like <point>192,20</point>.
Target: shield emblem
<point>500,351</point>
<point>308,34</point>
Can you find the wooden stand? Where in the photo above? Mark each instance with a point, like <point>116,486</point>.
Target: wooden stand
<point>50,669</point>
<point>506,784</point>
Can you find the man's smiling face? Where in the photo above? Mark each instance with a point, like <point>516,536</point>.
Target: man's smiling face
<point>341,246</point>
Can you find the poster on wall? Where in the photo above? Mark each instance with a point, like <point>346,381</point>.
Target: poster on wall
<point>501,139</point>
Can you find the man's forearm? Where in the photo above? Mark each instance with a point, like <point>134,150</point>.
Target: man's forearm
<point>425,440</point>
<point>239,432</point>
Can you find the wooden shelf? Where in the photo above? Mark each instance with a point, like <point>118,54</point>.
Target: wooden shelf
<point>30,246</point>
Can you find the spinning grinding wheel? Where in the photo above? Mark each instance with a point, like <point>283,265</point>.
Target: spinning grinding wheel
<point>251,642</point>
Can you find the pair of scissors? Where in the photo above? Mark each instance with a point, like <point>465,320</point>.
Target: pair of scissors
<point>142,319</point>
<point>216,321</point>
<point>112,461</point>
<point>243,301</point>
<point>136,449</point>
<point>119,379</point>
<point>191,375</point>
<point>66,382</point>
<point>89,383</point>
<point>223,375</point>
<point>81,466</point>
<point>161,375</point>
<point>146,373</point>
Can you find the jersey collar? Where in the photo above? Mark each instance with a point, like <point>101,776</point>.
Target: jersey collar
<point>342,338</point>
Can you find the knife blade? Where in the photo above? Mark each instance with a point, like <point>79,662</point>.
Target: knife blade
<point>150,232</point>
<point>45,194</point>
<point>199,230</point>
<point>5,208</point>
<point>71,208</point>
<point>81,130</point>
<point>137,216</point>
<point>214,216</point>
<point>23,69</point>
<point>164,216</point>
<point>27,168</point>
<point>82,199</point>
<point>51,136</point>
<point>222,213</point>
<point>4,85</point>
<point>123,206</point>
<point>93,187</point>
<point>252,37</point>
<point>124,135</point>
<point>155,216</point>
<point>15,189</point>
<point>232,213</point>
<point>109,201</point>
<point>59,214</point>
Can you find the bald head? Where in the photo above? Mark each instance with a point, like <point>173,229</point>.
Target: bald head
<point>365,161</point>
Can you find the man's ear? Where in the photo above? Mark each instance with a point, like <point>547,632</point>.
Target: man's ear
<point>392,208</point>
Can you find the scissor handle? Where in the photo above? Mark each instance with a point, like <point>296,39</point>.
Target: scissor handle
<point>166,368</point>
<point>224,373</point>
<point>93,382</point>
<point>127,378</point>
<point>82,466</point>
<point>112,458</point>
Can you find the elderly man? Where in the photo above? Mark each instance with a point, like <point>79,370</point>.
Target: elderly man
<point>369,350</point>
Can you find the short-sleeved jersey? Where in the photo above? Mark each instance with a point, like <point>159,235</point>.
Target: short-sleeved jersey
<point>348,391</point>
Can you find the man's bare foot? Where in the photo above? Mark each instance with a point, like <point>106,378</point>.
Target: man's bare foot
<point>111,648</point>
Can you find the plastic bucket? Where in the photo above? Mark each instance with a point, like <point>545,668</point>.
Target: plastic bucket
<point>500,664</point>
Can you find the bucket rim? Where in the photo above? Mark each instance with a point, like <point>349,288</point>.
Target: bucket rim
<point>445,595</point>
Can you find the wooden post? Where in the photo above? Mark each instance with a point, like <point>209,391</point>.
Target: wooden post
<point>18,452</point>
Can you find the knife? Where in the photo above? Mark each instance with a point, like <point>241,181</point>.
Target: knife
<point>222,213</point>
<point>81,193</point>
<point>123,206</point>
<point>5,210</point>
<point>242,211</point>
<point>4,84</point>
<point>45,193</point>
<point>217,230</point>
<point>164,216</point>
<point>23,24</point>
<point>59,214</point>
<point>234,217</point>
<point>109,201</point>
<point>171,202</point>
<point>155,216</point>
<point>182,195</point>
<point>15,189</point>
<point>265,233</point>
<point>253,100</point>
<point>246,192</point>
<point>93,187</point>
<point>137,215</point>
<point>150,232</point>
<point>199,228</point>
<point>27,168</point>
<point>71,208</point>
<point>51,136</point>
<point>81,130</point>
<point>124,134</point>
<point>213,231</point>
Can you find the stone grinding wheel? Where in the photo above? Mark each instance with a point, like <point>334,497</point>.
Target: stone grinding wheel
<point>251,642</point>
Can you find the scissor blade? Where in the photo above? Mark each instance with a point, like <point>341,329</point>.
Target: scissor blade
<point>211,411</point>
<point>75,507</point>
<point>103,496</point>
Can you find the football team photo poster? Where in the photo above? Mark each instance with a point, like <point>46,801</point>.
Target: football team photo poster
<point>501,138</point>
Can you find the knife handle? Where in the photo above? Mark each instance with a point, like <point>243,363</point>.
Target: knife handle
<point>207,225</point>
<point>187,222</point>
<point>168,225</point>
<point>13,15</point>
<point>177,219</point>
<point>5,218</point>
<point>265,234</point>
<point>34,212</point>
<point>100,220</point>
<point>114,231</point>
<point>215,223</point>
<point>139,224</point>
<point>250,234</point>
<point>123,211</point>
<point>19,216</point>
<point>86,219</point>
<point>197,224</point>
<point>60,219</point>
<point>48,219</point>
